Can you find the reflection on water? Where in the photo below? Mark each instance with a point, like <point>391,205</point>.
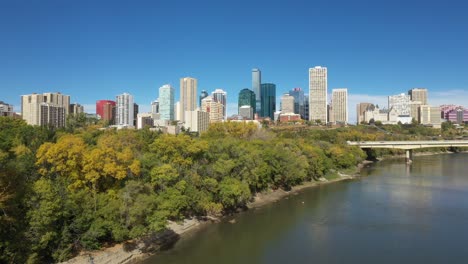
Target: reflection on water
<point>394,214</point>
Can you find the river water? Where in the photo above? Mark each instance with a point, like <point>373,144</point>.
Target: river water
<point>394,214</point>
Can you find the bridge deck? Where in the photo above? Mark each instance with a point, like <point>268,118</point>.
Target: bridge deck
<point>410,144</point>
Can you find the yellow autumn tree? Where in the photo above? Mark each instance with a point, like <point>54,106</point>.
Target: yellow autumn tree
<point>62,159</point>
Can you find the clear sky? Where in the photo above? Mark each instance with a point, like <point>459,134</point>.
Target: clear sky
<point>95,50</point>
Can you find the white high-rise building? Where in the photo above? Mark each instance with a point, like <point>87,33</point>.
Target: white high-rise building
<point>124,110</point>
<point>166,102</point>
<point>37,108</point>
<point>188,95</point>
<point>401,104</point>
<point>221,96</point>
<point>213,107</point>
<point>340,105</point>
<point>197,121</point>
<point>318,94</point>
<point>177,113</point>
<point>287,104</point>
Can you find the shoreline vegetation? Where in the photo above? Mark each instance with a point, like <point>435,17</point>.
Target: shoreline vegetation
<point>118,253</point>
<point>125,193</point>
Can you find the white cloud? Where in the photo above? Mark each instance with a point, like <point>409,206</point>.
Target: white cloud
<point>455,96</point>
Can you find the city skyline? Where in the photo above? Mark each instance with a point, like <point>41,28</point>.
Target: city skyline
<point>90,53</point>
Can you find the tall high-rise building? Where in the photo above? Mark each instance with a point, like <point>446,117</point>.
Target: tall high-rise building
<point>34,107</point>
<point>220,96</point>
<point>299,101</point>
<point>106,110</point>
<point>318,93</point>
<point>203,95</point>
<point>268,102</point>
<point>361,108</point>
<point>256,88</point>
<point>287,104</point>
<point>400,103</point>
<point>52,115</point>
<point>418,94</point>
<point>247,97</point>
<point>306,107</point>
<point>125,109</point>
<point>340,105</point>
<point>188,95</point>
<point>215,108</point>
<point>166,102</point>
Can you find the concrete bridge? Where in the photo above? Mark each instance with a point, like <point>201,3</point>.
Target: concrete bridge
<point>409,145</point>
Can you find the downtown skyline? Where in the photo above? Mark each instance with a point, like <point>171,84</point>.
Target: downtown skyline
<point>374,50</point>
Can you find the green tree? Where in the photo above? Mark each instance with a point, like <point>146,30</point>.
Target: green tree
<point>233,193</point>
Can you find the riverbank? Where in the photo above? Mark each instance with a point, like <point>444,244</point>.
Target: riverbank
<point>136,251</point>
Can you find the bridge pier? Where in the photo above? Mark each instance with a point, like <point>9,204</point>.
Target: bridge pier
<point>409,156</point>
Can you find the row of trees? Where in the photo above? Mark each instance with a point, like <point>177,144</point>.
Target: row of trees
<point>83,188</point>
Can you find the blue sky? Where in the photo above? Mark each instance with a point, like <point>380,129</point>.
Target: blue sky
<point>95,50</point>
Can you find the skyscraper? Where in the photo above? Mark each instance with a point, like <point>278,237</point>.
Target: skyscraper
<point>299,101</point>
<point>166,102</point>
<point>256,88</point>
<point>125,109</point>
<point>34,107</point>
<point>188,95</point>
<point>247,97</point>
<point>318,93</point>
<point>340,105</point>
<point>268,100</point>
<point>220,96</point>
<point>418,94</point>
<point>287,104</point>
<point>215,108</point>
<point>203,95</point>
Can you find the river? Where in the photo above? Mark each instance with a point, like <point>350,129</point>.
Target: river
<point>394,214</point>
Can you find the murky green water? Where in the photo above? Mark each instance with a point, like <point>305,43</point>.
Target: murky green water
<point>396,214</point>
